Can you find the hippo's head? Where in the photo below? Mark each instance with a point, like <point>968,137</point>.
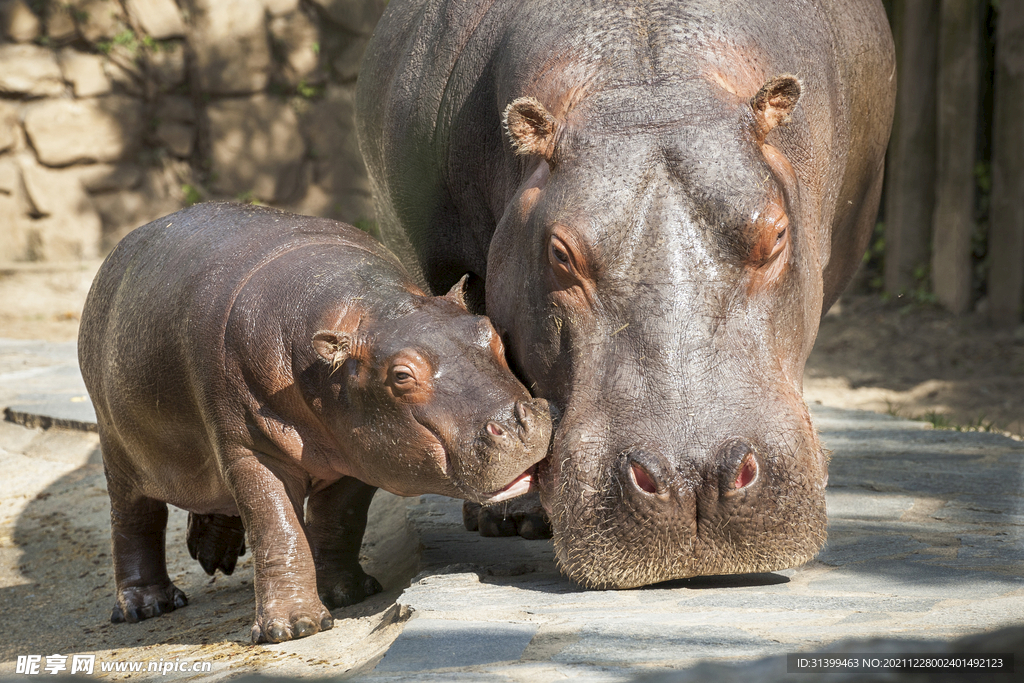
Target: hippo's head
<point>430,403</point>
<point>660,282</point>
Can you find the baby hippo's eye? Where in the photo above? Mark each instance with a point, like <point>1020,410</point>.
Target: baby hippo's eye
<point>409,376</point>
<point>402,375</point>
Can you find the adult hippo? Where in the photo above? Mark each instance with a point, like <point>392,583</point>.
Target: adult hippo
<point>656,201</point>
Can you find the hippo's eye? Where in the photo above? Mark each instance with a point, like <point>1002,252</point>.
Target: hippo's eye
<point>780,240</point>
<point>402,376</point>
<point>773,236</point>
<point>560,256</point>
<point>409,377</point>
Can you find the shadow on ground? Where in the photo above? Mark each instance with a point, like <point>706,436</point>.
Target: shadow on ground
<point>58,586</point>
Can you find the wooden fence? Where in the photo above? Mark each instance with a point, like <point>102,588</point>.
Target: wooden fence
<point>954,198</point>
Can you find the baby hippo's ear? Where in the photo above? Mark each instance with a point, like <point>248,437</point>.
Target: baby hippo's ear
<point>334,347</point>
<point>457,294</point>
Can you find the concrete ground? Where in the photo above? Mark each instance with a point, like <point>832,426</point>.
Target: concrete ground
<point>926,546</point>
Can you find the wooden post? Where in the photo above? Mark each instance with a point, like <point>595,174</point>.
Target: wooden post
<point>953,220</point>
<point>910,170</point>
<point>1006,212</point>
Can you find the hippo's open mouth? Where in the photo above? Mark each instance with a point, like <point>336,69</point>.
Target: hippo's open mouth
<point>518,487</point>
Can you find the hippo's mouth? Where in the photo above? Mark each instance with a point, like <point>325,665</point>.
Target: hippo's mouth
<point>517,487</point>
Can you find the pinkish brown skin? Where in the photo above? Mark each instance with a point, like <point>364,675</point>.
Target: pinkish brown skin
<point>244,361</point>
<point>655,201</point>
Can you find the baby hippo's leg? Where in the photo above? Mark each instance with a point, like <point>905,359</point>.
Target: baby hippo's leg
<point>216,541</point>
<point>287,605</point>
<point>138,528</point>
<point>335,522</point>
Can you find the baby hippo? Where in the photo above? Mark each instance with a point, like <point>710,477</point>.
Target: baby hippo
<point>244,362</point>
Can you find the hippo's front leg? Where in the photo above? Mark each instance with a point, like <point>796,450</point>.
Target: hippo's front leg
<point>287,605</point>
<point>335,522</point>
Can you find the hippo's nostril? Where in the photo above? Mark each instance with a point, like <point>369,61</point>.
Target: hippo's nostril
<point>649,473</point>
<point>747,473</point>
<point>739,465</point>
<point>494,429</point>
<point>522,412</point>
<point>643,479</point>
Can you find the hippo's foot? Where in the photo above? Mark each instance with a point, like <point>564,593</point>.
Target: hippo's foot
<point>346,588</point>
<point>135,604</point>
<point>290,624</point>
<point>216,541</point>
<point>522,516</point>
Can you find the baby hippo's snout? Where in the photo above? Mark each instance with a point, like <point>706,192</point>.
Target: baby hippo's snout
<point>531,420</point>
<point>508,449</point>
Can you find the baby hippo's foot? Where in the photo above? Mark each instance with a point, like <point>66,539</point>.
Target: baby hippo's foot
<point>138,603</point>
<point>344,588</point>
<point>523,516</point>
<point>216,541</point>
<point>281,623</point>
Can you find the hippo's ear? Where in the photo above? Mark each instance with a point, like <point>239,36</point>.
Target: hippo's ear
<point>457,294</point>
<point>333,346</point>
<point>530,127</point>
<point>774,103</point>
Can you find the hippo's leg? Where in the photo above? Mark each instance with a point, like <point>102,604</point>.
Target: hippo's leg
<point>335,522</point>
<point>523,516</point>
<point>287,605</point>
<point>216,541</point>
<point>138,528</point>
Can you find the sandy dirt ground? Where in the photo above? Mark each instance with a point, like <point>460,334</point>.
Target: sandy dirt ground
<point>890,357</point>
<point>919,362</point>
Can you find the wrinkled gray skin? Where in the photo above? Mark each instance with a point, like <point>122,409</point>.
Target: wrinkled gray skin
<point>242,359</point>
<point>680,189</point>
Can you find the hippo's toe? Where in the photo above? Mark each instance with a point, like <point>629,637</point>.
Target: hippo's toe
<point>494,522</point>
<point>522,516</point>
<point>348,588</point>
<point>533,525</point>
<point>297,625</point>
<point>135,604</point>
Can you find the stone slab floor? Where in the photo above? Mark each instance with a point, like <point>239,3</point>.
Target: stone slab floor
<point>926,545</point>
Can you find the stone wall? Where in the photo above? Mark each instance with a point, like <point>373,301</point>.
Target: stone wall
<point>115,112</point>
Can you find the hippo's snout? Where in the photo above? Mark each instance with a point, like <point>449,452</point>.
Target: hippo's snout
<point>741,505</point>
<point>735,468</point>
<point>528,419</point>
<point>507,451</point>
<point>523,438</point>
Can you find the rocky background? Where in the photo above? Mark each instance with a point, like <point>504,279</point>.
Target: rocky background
<point>115,112</point>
